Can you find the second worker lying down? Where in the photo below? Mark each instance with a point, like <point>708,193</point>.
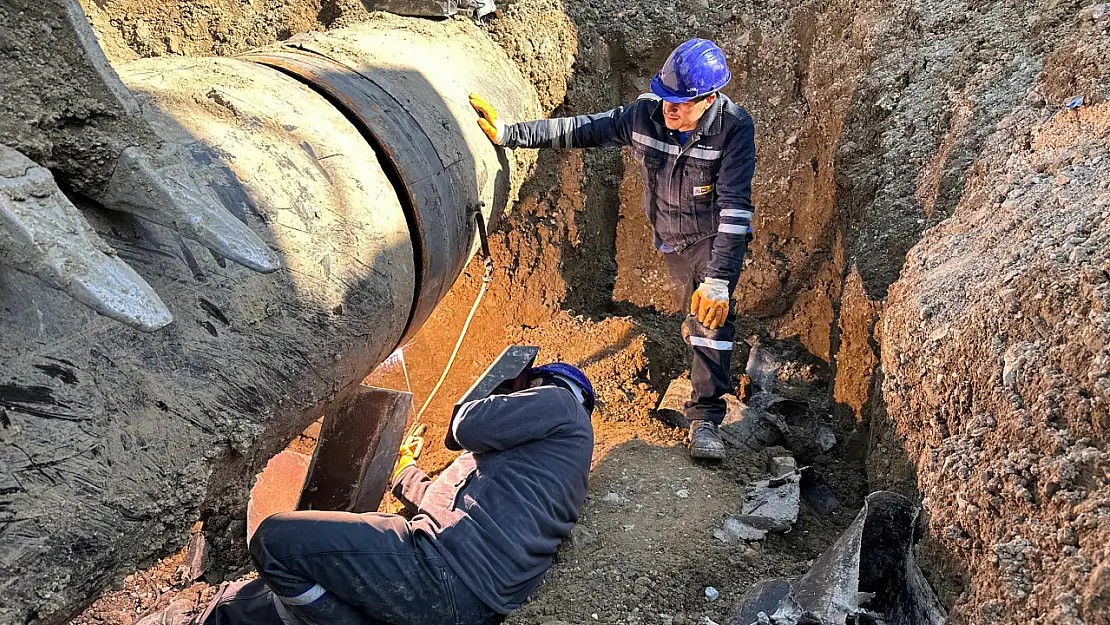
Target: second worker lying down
<point>483,534</point>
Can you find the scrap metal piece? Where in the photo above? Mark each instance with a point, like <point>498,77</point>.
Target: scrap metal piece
<point>44,235</point>
<point>276,488</point>
<point>356,451</point>
<point>870,573</point>
<point>163,190</point>
<point>770,506</point>
<point>782,465</point>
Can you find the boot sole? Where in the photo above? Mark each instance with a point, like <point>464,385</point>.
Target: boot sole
<point>706,454</point>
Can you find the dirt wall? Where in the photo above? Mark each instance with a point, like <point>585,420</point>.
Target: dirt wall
<point>995,348</point>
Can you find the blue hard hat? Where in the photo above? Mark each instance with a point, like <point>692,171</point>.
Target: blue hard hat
<point>574,374</point>
<point>695,68</point>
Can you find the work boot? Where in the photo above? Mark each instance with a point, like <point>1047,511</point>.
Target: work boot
<point>705,441</point>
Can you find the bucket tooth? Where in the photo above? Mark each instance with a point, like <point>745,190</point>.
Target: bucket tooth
<point>42,234</point>
<point>166,193</point>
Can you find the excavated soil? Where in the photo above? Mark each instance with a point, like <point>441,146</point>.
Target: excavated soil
<point>876,123</point>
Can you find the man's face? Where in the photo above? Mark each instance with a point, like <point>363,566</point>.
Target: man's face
<point>684,116</point>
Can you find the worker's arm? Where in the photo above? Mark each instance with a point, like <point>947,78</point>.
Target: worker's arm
<point>612,128</point>
<point>409,485</point>
<point>603,130</point>
<point>502,421</point>
<point>734,200</point>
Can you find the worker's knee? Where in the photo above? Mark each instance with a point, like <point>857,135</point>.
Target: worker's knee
<point>268,538</point>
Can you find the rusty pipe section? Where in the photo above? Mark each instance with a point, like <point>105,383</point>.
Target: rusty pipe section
<point>354,158</point>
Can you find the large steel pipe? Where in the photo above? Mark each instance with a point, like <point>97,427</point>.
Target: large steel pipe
<point>114,441</point>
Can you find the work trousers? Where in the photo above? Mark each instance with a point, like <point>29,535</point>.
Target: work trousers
<point>712,349</point>
<point>339,568</point>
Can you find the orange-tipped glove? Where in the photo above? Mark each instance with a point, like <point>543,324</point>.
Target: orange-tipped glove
<point>710,303</point>
<point>410,450</point>
<point>489,122</point>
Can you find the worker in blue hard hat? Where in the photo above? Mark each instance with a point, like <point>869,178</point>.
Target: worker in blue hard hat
<point>696,150</point>
<point>481,537</point>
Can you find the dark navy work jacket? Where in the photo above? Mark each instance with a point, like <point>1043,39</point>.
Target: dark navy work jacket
<point>692,191</point>
<point>499,511</point>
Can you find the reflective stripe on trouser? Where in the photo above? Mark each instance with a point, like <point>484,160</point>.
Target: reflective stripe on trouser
<point>712,349</point>
<point>339,568</point>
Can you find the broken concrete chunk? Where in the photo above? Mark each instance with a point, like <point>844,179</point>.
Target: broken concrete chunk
<point>781,465</point>
<point>42,234</point>
<point>776,499</point>
<point>735,530</point>
<point>770,506</point>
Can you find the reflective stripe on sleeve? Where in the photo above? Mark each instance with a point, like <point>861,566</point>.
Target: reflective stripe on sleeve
<point>736,212</point>
<point>305,598</point>
<point>721,346</point>
<point>562,132</point>
<point>733,229</point>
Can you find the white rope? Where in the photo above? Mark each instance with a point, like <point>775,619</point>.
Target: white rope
<point>458,345</point>
<point>486,279</point>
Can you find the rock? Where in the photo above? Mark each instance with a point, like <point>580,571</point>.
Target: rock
<point>611,499</point>
<point>771,506</point>
<point>682,493</point>
<point>711,593</point>
<point>583,536</point>
<point>781,465</point>
<point>1095,12</point>
<point>776,499</point>
<point>736,530</point>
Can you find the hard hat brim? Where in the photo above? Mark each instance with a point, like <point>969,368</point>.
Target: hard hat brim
<point>661,90</point>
